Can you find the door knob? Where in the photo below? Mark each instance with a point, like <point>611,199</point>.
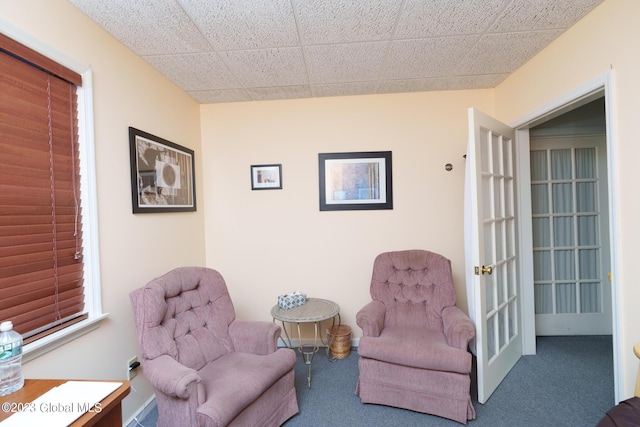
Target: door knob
<point>483,270</point>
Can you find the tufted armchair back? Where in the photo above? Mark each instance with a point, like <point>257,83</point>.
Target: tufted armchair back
<point>415,286</point>
<point>185,314</point>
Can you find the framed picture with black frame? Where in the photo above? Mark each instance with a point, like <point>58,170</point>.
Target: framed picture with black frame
<point>355,181</point>
<point>266,177</point>
<point>162,174</point>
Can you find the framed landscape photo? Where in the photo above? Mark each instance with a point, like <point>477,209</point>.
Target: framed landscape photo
<point>355,181</point>
<point>162,174</point>
<point>266,177</point>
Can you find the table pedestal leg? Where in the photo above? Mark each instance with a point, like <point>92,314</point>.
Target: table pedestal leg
<point>308,351</point>
<point>307,355</point>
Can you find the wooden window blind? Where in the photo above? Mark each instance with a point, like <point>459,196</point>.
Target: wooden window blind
<point>41,268</point>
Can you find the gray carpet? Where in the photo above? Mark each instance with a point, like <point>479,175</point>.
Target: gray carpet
<point>568,383</point>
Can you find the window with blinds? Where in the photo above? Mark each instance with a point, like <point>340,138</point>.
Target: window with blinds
<point>41,267</point>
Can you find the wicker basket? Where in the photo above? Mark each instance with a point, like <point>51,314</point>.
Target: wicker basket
<point>339,338</point>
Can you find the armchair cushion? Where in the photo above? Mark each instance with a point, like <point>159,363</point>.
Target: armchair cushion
<point>237,379</point>
<point>417,348</point>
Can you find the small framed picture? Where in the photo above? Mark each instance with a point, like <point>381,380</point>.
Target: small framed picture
<point>266,177</point>
<point>355,181</point>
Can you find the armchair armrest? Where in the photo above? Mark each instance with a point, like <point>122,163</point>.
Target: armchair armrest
<point>370,318</point>
<point>458,327</point>
<point>254,336</point>
<point>169,376</point>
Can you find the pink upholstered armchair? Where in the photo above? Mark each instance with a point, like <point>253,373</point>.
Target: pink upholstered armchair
<point>206,367</point>
<point>414,349</point>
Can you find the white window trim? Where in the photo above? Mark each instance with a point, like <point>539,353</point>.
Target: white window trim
<point>91,256</point>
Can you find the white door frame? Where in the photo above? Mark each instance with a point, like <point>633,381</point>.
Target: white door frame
<point>597,88</point>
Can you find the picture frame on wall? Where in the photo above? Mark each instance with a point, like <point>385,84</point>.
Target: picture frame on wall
<point>355,181</point>
<point>162,174</point>
<point>266,177</point>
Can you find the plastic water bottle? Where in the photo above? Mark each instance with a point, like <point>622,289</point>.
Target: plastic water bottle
<point>11,378</point>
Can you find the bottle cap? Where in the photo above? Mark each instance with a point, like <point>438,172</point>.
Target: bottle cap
<point>6,326</point>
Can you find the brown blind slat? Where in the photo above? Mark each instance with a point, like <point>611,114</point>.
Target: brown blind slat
<point>35,281</point>
<point>42,300</point>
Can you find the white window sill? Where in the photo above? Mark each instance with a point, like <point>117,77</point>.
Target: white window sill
<point>50,342</point>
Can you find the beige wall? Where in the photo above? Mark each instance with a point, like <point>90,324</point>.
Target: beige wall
<point>133,248</point>
<point>603,41</point>
<point>271,242</point>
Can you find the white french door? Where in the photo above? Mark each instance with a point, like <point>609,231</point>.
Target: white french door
<point>493,284</point>
<point>571,254</point>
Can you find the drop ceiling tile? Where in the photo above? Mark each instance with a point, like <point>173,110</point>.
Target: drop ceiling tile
<point>267,67</point>
<point>345,62</point>
<point>148,27</point>
<point>431,18</point>
<point>332,21</point>
<point>244,24</point>
<point>344,89</point>
<point>526,15</point>
<point>412,85</point>
<point>431,57</point>
<point>504,53</point>
<point>217,96</point>
<point>482,81</point>
<point>441,83</point>
<point>195,71</point>
<point>279,92</point>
